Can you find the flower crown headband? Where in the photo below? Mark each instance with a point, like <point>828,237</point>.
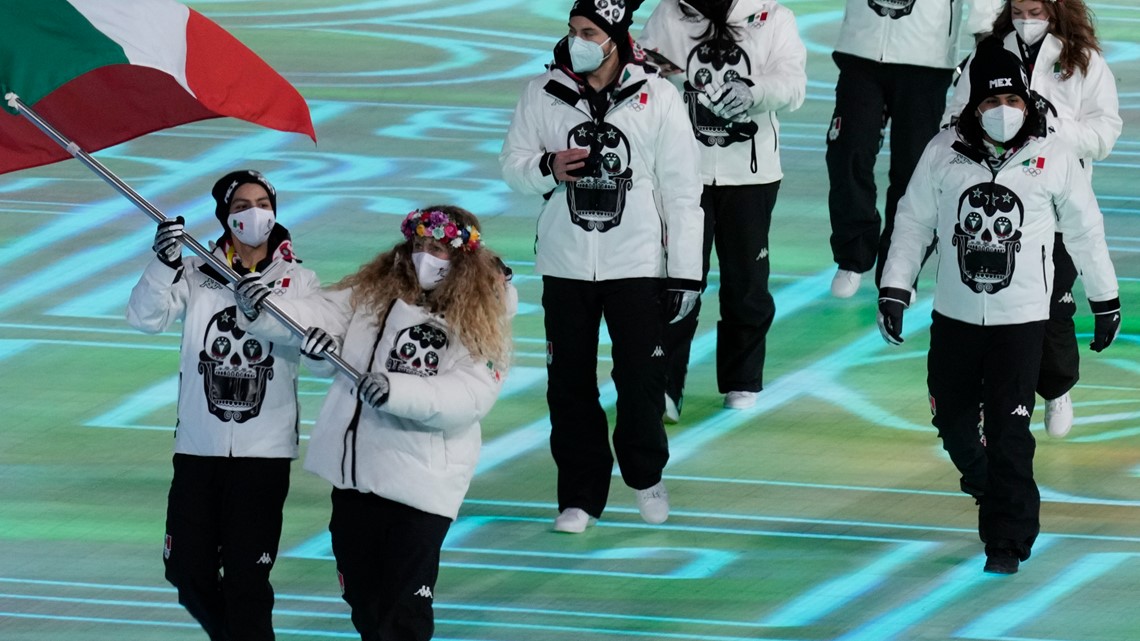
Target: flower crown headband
<point>439,226</point>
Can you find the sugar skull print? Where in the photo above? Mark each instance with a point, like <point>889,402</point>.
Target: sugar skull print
<point>988,236</point>
<point>597,201</point>
<point>235,367</point>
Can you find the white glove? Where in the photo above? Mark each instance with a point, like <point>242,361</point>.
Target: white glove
<point>249,293</point>
<point>317,343</point>
<point>731,100</point>
<point>168,241</point>
<point>373,389</point>
<point>680,303</point>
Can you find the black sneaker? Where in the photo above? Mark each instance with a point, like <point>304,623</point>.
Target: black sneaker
<point>1001,562</point>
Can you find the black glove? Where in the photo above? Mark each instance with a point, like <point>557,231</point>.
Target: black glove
<point>372,388</point>
<point>250,292</point>
<point>317,343</point>
<point>893,301</point>
<point>168,241</point>
<point>1106,315</point>
<point>591,167</point>
<point>678,298</point>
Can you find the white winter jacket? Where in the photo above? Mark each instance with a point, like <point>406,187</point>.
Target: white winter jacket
<point>237,390</point>
<point>995,230</point>
<point>1087,110</point>
<point>420,448</point>
<point>770,56</point>
<point>642,218</point>
<point>912,32</point>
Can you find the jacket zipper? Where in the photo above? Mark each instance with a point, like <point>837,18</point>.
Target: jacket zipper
<point>1044,274</point>
<point>950,27</point>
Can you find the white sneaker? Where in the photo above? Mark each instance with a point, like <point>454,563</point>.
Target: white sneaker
<point>672,412</point>
<point>653,503</point>
<point>1059,416</point>
<point>739,400</point>
<point>573,520</point>
<point>845,283</point>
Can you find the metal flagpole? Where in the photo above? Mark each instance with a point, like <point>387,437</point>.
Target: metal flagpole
<point>155,214</point>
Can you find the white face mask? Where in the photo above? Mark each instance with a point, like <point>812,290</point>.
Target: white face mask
<point>1003,122</point>
<point>586,55</point>
<point>252,226</point>
<point>430,270</point>
<point>1031,31</point>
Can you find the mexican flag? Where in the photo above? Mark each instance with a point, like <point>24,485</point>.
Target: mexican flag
<point>106,71</point>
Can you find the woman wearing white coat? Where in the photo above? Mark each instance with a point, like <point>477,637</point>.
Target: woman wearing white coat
<point>739,62</point>
<point>427,325</point>
<point>1058,46</point>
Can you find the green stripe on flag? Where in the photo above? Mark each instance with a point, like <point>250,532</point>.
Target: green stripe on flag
<point>46,43</point>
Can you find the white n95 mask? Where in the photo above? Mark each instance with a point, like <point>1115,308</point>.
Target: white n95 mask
<point>430,270</point>
<point>252,226</point>
<point>1002,123</point>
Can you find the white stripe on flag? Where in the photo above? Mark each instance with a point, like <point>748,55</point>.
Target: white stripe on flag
<point>151,32</point>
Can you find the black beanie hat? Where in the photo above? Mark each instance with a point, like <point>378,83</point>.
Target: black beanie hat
<point>612,16</point>
<point>224,189</point>
<point>995,70</point>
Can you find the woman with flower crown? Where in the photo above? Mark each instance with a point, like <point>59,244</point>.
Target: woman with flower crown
<point>427,323</point>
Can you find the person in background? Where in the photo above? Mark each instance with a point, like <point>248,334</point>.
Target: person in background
<point>992,190</point>
<point>739,62</point>
<point>238,425</point>
<point>606,142</point>
<point>896,60</point>
<point>427,324</point>
<point>1058,45</point>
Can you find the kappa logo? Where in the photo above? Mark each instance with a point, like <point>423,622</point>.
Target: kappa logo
<point>210,283</point>
<point>424,591</point>
<point>1001,82</point>
<point>1020,411</point>
<point>657,352</point>
<point>1067,298</point>
<point>763,254</point>
<point>265,559</point>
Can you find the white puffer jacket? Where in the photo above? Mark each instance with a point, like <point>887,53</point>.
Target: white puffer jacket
<point>642,218</point>
<point>912,32</point>
<point>995,230</point>
<point>770,56</point>
<point>238,390</point>
<point>420,448</point>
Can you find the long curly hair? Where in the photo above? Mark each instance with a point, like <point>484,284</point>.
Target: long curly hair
<point>472,297</point>
<point>1071,22</point>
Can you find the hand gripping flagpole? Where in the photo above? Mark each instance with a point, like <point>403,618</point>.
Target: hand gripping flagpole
<point>150,210</point>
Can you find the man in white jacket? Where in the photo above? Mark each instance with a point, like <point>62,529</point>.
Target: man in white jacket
<point>237,427</point>
<point>742,62</point>
<point>608,145</point>
<point>988,189</point>
<point>896,59</point>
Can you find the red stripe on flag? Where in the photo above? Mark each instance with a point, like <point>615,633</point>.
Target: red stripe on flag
<point>1040,163</point>
<point>231,80</point>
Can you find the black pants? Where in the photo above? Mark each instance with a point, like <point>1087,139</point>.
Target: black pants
<point>868,95</point>
<point>223,526</point>
<point>387,558</point>
<point>737,219</point>
<point>995,366</point>
<point>1060,361</point>
<point>579,435</point>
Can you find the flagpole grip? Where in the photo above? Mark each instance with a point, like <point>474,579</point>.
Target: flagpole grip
<point>157,216</point>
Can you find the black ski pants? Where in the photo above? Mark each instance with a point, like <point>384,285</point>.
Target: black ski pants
<point>579,434</point>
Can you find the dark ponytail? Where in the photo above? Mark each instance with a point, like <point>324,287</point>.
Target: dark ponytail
<point>716,12</point>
